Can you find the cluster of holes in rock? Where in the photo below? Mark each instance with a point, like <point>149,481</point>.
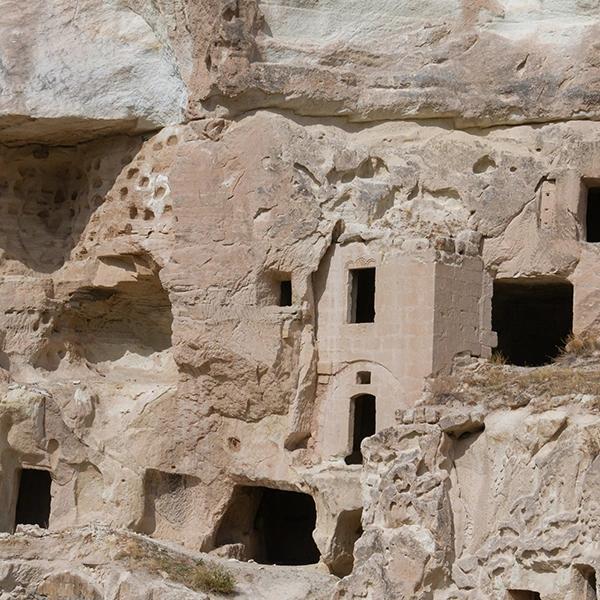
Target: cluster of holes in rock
<point>143,183</point>
<point>47,197</point>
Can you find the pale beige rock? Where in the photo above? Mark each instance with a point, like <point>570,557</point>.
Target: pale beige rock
<point>480,62</point>
<point>77,70</point>
<point>93,563</point>
<point>150,322</point>
<point>186,189</point>
<point>507,507</point>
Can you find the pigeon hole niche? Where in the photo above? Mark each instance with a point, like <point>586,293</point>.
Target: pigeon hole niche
<point>274,526</point>
<point>49,194</point>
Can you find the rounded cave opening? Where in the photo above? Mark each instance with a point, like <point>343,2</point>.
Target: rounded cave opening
<point>270,526</point>
<point>129,323</point>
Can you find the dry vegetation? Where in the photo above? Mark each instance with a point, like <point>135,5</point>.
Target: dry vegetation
<point>197,575</point>
<point>517,386</point>
<point>575,371</point>
<point>583,344</point>
<point>498,358</point>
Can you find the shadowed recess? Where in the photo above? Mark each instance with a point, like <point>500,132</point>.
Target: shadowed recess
<point>275,526</point>
<point>48,195</point>
<point>33,502</point>
<point>532,319</point>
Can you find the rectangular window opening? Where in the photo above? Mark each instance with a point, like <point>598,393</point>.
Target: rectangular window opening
<point>592,215</point>
<point>363,377</point>
<point>362,295</point>
<point>33,501</point>
<point>533,319</point>
<point>285,293</point>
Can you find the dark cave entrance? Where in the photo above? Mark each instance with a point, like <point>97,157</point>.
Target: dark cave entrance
<point>275,526</point>
<point>592,215</point>
<point>523,595</point>
<point>33,501</point>
<point>591,586</point>
<point>532,318</point>
<point>363,425</point>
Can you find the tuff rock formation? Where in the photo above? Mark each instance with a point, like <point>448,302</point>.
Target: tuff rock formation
<point>299,299</point>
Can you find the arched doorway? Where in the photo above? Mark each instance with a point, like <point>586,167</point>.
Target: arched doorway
<point>362,414</point>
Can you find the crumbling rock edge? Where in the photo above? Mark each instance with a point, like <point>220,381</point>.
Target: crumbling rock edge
<point>94,562</point>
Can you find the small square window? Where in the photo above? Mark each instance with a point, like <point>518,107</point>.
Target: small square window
<point>274,288</point>
<point>363,377</point>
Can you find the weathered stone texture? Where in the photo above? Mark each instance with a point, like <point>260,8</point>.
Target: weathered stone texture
<point>186,191</point>
<point>73,70</point>
<point>479,62</point>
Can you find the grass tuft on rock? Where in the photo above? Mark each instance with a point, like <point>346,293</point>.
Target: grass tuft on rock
<point>515,386</point>
<point>198,575</point>
<point>581,344</point>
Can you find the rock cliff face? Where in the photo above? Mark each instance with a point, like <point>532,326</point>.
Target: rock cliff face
<point>299,283</point>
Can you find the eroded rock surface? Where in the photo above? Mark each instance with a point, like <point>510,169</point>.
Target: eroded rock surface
<point>478,61</point>
<point>96,563</point>
<point>309,286</point>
